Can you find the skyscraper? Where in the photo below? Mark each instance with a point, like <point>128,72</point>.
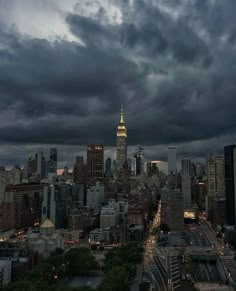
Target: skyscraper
<point>230,179</point>
<point>49,203</point>
<point>30,167</point>
<point>186,167</point>
<point>95,161</point>
<point>172,160</point>
<point>215,175</point>
<point>186,190</point>
<point>108,171</point>
<point>139,162</point>
<point>52,164</point>
<point>40,170</point>
<point>172,208</point>
<point>186,182</point>
<point>78,171</point>
<point>215,182</point>
<point>121,143</point>
<point>152,168</point>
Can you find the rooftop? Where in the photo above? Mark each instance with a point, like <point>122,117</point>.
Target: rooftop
<point>47,224</point>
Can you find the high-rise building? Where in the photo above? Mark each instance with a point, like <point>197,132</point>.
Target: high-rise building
<point>27,199</point>
<point>139,162</point>
<point>218,211</point>
<point>30,167</point>
<point>172,160</point>
<point>95,196</point>
<point>95,161</point>
<point>49,204</point>
<point>186,190</point>
<point>193,170</point>
<point>40,165</point>
<point>186,167</point>
<point>80,218</point>
<point>108,171</point>
<point>230,179</point>
<point>200,170</point>
<point>186,182</point>
<point>39,161</point>
<point>78,171</point>
<point>215,174</point>
<point>152,168</point>
<point>121,143</point>
<point>215,182</point>
<point>109,216</point>
<point>9,177</point>
<point>114,166</point>
<point>52,164</point>
<point>57,199</point>
<point>172,209</point>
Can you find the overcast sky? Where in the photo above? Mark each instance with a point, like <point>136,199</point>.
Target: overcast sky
<point>67,66</point>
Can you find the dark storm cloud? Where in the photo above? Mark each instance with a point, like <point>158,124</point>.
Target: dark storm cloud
<point>172,64</point>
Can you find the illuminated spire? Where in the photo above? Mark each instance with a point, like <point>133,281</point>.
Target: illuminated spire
<point>122,115</point>
<point>121,131</point>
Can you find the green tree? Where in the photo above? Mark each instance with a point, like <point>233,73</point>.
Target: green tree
<point>115,280</point>
<point>27,286</point>
<point>144,286</point>
<point>58,251</point>
<point>80,262</point>
<point>83,288</point>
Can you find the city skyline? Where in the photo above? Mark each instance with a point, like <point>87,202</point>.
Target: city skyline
<point>65,76</point>
<point>117,145</point>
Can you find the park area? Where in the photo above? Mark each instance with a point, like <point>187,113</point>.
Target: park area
<point>78,270</point>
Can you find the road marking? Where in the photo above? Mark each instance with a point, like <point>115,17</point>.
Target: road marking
<point>176,287</point>
<point>176,282</point>
<point>175,276</point>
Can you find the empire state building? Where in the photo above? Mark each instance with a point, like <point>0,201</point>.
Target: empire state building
<point>121,142</point>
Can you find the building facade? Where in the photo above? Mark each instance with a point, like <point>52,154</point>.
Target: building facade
<point>186,167</point>
<point>139,162</point>
<point>95,196</point>
<point>52,163</point>
<point>108,170</point>
<point>172,161</point>
<point>78,171</point>
<point>46,240</point>
<point>27,200</point>
<point>172,209</point>
<point>95,161</point>
<point>9,177</point>
<point>79,219</point>
<point>5,272</point>
<point>57,201</point>
<point>186,190</point>
<point>215,182</point>
<point>218,211</point>
<point>109,217</point>
<point>7,215</point>
<point>49,204</point>
<point>230,178</point>
<point>40,168</point>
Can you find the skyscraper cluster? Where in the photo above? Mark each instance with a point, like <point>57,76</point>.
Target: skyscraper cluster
<point>38,167</point>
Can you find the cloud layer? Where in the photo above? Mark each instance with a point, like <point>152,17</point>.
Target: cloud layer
<point>171,63</point>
